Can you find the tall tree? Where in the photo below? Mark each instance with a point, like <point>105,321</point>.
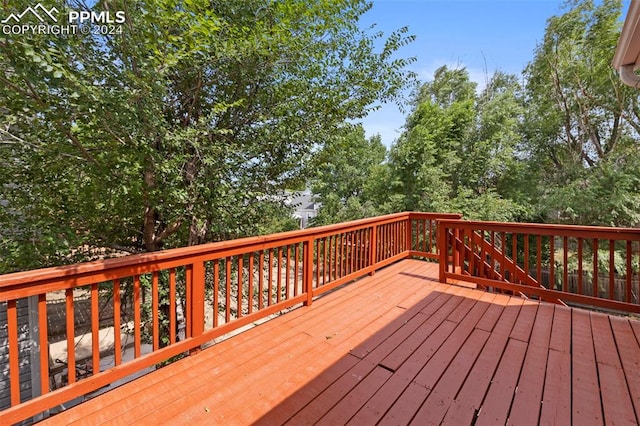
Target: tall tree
<point>458,148</point>
<point>582,124</point>
<point>172,132</point>
<point>345,169</point>
<point>425,160</point>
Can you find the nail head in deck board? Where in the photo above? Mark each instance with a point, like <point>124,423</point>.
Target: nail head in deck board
<point>587,408</point>
<point>556,398</point>
<point>495,407</point>
<point>435,407</point>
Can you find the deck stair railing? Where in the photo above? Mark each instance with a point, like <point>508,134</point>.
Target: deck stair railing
<point>487,259</point>
<point>214,288</point>
<point>590,266</point>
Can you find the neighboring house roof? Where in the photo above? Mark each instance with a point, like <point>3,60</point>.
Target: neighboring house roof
<point>302,201</point>
<point>627,57</point>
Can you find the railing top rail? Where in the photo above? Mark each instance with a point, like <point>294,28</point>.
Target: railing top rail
<point>138,260</point>
<point>600,232</point>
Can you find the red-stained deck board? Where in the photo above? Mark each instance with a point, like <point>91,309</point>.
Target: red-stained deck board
<point>435,301</point>
<point>394,392</point>
<point>469,399</point>
<point>587,407</point>
<point>351,403</point>
<point>616,400</point>
<point>404,350</point>
<point>403,408</point>
<point>561,331</point>
<point>361,317</point>
<point>629,351</point>
<point>556,397</point>
<point>317,408</point>
<point>435,407</point>
<point>436,366</point>
<point>524,324</point>
<point>397,348</point>
<point>526,403</point>
<point>495,408</point>
<point>284,411</point>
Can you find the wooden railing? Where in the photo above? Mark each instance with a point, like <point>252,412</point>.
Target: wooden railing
<point>592,266</point>
<point>216,288</point>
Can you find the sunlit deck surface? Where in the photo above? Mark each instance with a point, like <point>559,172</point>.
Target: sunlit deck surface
<point>394,348</point>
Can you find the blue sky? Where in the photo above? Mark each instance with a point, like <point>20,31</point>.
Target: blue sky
<point>479,35</point>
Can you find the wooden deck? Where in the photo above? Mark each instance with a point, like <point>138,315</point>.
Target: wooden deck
<point>397,348</point>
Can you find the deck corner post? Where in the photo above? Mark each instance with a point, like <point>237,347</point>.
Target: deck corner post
<point>373,243</point>
<point>442,249</point>
<point>409,235</point>
<point>307,269</point>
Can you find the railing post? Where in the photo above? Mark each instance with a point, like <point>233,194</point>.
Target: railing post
<point>197,300</point>
<point>373,242</point>
<point>457,255</point>
<point>307,270</point>
<point>442,248</point>
<point>409,235</point>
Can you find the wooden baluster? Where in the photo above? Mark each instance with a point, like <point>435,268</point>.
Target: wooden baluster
<point>14,364</point>
<point>565,262</point>
<point>612,270</point>
<point>596,293</point>
<point>95,329</point>
<point>227,286</point>
<point>288,273</point>
<point>137,319</point>
<point>628,273</point>
<point>155,308</point>
<point>240,286</point>
<point>216,291</point>
<point>250,285</point>
<point>580,277</point>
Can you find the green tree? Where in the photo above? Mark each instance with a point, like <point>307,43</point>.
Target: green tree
<point>173,132</point>
<point>344,170</point>
<point>582,124</point>
<point>459,148</point>
<point>425,161</point>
